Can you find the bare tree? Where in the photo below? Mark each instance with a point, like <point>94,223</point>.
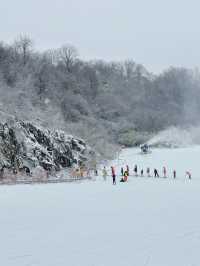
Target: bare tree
<point>67,54</point>
<point>24,45</point>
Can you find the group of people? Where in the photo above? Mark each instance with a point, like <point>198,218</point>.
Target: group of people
<point>125,173</point>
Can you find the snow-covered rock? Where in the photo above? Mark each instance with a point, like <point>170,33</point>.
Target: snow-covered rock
<point>24,145</point>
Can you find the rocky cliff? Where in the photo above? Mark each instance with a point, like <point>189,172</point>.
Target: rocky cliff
<point>25,146</point>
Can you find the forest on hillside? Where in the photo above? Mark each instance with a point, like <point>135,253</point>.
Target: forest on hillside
<point>105,103</point>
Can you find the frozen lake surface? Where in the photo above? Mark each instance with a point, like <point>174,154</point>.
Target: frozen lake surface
<point>144,222</point>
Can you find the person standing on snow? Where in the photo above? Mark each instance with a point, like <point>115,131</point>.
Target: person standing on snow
<point>113,175</point>
<point>174,174</point>
<point>96,172</point>
<point>104,173</point>
<point>164,172</point>
<point>142,173</point>
<point>135,170</point>
<point>127,169</point>
<point>156,173</point>
<point>188,174</point>
<point>122,171</point>
<point>148,171</point>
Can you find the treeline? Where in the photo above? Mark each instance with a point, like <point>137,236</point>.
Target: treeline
<point>104,103</point>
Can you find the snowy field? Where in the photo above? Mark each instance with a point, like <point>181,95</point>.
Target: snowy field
<point>144,222</point>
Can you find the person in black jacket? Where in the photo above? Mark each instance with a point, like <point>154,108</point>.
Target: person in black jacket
<point>156,173</point>
<point>135,170</point>
<point>122,171</point>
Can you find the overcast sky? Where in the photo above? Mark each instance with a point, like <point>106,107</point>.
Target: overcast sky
<point>156,33</point>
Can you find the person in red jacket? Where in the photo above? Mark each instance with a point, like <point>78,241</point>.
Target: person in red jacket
<point>113,175</point>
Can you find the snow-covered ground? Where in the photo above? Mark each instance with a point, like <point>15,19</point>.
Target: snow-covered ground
<point>144,222</point>
<point>181,160</point>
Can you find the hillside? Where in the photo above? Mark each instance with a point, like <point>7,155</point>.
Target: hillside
<point>105,103</point>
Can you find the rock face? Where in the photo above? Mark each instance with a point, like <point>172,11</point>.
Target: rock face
<point>26,146</point>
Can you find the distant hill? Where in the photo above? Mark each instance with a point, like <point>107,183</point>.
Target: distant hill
<point>105,103</point>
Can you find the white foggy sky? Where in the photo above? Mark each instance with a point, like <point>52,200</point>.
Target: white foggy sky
<point>155,33</point>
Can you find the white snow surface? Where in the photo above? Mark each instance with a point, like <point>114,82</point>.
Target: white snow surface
<point>144,222</point>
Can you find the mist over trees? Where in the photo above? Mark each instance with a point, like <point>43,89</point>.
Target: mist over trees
<point>104,103</point>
